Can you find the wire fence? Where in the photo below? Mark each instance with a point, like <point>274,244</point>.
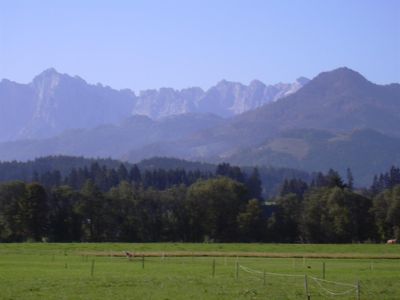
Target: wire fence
<point>352,289</point>
<point>317,285</point>
<point>222,267</point>
<point>331,288</point>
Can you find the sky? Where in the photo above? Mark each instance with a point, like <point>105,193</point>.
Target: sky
<point>151,44</point>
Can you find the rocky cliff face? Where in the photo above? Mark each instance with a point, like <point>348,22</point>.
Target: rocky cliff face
<point>63,102</point>
<point>166,102</point>
<point>55,102</point>
<point>225,99</point>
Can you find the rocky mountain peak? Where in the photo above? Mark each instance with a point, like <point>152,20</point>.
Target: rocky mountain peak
<point>256,84</point>
<point>47,74</point>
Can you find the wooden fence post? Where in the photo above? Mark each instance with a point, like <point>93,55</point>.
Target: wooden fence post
<point>358,291</point>
<point>213,268</point>
<point>92,268</point>
<point>237,270</point>
<point>308,297</point>
<point>264,278</point>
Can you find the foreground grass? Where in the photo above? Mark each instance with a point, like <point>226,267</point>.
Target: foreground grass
<point>61,271</point>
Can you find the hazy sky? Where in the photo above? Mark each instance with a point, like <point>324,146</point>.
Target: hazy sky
<point>149,44</point>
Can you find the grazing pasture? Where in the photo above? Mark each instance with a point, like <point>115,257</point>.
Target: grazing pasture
<point>199,271</point>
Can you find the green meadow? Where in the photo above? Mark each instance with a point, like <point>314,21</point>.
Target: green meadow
<point>100,271</point>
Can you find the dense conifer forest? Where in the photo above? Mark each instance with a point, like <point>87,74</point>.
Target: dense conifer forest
<point>106,201</point>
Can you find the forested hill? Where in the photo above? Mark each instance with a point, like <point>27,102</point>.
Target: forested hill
<point>16,170</point>
<point>55,170</point>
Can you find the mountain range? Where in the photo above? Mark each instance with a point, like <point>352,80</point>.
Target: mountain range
<point>55,102</point>
<point>225,99</point>
<point>337,120</point>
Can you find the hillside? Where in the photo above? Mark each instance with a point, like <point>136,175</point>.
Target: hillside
<point>110,140</point>
<point>366,152</point>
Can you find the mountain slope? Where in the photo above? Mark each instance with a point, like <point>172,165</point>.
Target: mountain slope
<point>340,100</point>
<point>109,140</point>
<point>16,108</point>
<point>366,152</point>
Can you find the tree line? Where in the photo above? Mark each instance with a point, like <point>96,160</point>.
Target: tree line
<point>53,170</point>
<point>99,204</point>
<point>329,210</point>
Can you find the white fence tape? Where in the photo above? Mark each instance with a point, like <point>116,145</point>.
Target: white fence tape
<point>318,281</point>
<point>246,269</point>
<point>333,293</point>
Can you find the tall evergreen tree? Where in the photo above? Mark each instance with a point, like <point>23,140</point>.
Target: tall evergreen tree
<point>33,212</point>
<point>253,184</point>
<point>350,179</point>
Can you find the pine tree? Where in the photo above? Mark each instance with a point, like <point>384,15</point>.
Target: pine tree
<point>254,185</point>
<point>350,179</point>
<point>122,173</point>
<point>135,174</point>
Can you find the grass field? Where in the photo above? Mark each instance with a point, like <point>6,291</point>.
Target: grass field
<point>94,271</point>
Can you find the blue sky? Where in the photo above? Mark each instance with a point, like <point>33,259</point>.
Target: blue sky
<point>150,44</point>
